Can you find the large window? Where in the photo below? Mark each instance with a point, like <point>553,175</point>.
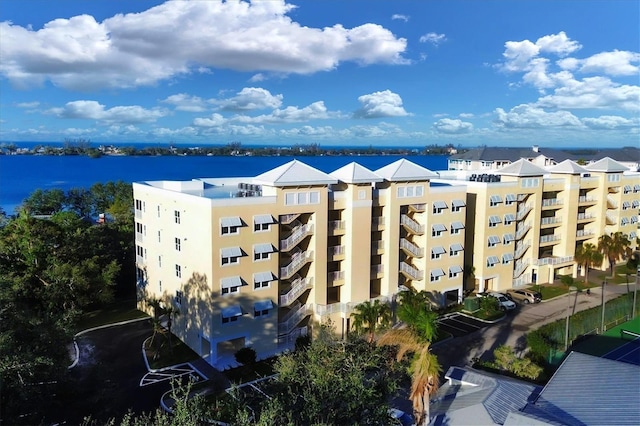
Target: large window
<point>410,191</point>
<point>302,198</point>
<point>178,271</point>
<point>230,225</point>
<point>178,244</point>
<point>176,216</point>
<point>231,255</point>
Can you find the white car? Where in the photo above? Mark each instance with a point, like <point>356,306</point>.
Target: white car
<point>503,301</point>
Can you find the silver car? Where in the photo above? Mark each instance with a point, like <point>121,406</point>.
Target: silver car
<point>525,296</point>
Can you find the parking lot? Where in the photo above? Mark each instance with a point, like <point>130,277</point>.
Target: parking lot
<point>459,325</point>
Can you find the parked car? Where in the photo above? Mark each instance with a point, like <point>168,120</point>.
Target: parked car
<point>525,296</point>
<point>400,417</point>
<point>504,303</point>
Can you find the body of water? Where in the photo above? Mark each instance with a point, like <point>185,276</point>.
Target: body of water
<point>20,175</point>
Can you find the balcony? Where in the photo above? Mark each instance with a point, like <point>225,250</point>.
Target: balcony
<point>411,225</point>
<point>520,267</point>
<point>140,260</point>
<point>585,233</point>
<point>523,211</point>
<point>545,239</point>
<point>522,231</point>
<point>336,252</point>
<point>377,271</point>
<point>139,238</point>
<point>411,272</point>
<point>521,249</point>
<point>290,338</point>
<point>522,281</point>
<point>584,199</point>
<point>377,247</point>
<point>411,249</point>
<point>297,262</point>
<point>377,223</point>
<point>611,204</point>
<point>553,260</point>
<point>337,227</point>
<point>586,217</point>
<point>611,220</point>
<point>298,286</point>
<point>138,214</point>
<point>332,308</point>
<point>286,219</point>
<point>417,208</point>
<point>551,202</point>
<point>336,277</point>
<point>299,233</point>
<point>297,313</point>
<point>553,220</point>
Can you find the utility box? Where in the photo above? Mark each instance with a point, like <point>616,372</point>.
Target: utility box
<point>471,304</point>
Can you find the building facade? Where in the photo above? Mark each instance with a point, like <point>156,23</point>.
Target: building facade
<point>256,261</point>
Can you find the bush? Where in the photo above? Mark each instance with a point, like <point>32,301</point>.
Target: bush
<point>246,356</point>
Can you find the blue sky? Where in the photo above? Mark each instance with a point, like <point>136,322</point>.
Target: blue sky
<point>345,73</point>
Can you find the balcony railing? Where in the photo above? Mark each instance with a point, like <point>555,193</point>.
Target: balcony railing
<point>522,230</point>
<point>337,226</point>
<point>553,260</point>
<point>411,248</point>
<point>411,272</point>
<point>586,216</point>
<point>377,270</point>
<point>522,281</point>
<point>297,262</point>
<point>336,251</point>
<point>611,220</point>
<point>138,214</point>
<point>377,222</point>
<point>520,267</point>
<point>411,224</point>
<point>417,208</point>
<point>286,219</point>
<point>611,204</point>
<point>521,249</point>
<point>140,260</point>
<point>298,286</point>
<point>377,247</point>
<point>549,238</point>
<point>522,211</point>
<point>586,199</point>
<point>549,202</point>
<point>581,233</point>
<point>335,276</point>
<point>298,234</point>
<point>550,220</point>
<point>139,237</point>
<point>293,318</point>
<point>290,338</point>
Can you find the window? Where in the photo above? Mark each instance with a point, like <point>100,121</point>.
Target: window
<point>493,240</point>
<point>177,240</point>
<point>160,286</point>
<point>437,230</point>
<point>530,182</point>
<point>456,227</point>
<point>262,251</point>
<point>510,199</point>
<point>230,225</point>
<point>230,285</point>
<point>159,237</point>
<point>262,280</point>
<point>494,221</point>
<point>159,261</point>
<point>178,298</point>
<point>634,219</point>
<point>176,216</point>
<point>636,188</point>
<point>262,222</point>
<point>262,308</point>
<point>492,261</point>
<point>509,219</point>
<point>138,205</point>
<point>494,200</point>
<point>613,178</point>
<point>437,252</point>
<point>627,189</point>
<point>454,271</point>
<point>231,255</point>
<point>178,271</point>
<point>302,198</point>
<point>436,274</point>
<point>139,251</point>
<point>457,205</point>
<point>508,238</point>
<point>158,211</point>
<point>506,258</point>
<point>626,205</point>
<point>439,207</point>
<point>410,191</point>
<point>231,314</point>
<point>455,249</point>
<point>624,221</point>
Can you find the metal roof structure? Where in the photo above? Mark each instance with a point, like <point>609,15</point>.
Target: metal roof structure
<point>607,165</point>
<point>355,173</point>
<point>522,167</point>
<point>294,173</point>
<point>405,170</point>
<point>568,167</point>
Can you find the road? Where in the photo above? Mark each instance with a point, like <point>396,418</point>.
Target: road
<point>511,331</point>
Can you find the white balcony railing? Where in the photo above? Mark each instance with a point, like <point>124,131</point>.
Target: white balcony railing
<point>377,270</point>
<point>287,339</point>
<point>520,267</point>
<point>377,221</point>
<point>298,234</point>
<point>522,230</point>
<point>377,246</point>
<point>550,220</point>
<point>411,272</point>
<point>411,248</point>
<point>586,199</point>
<point>297,262</point>
<point>335,276</point>
<point>337,225</point>
<point>548,202</point>
<point>586,216</point>
<point>585,233</point>
<point>521,249</point>
<point>293,318</point>
<point>286,219</point>
<point>336,251</point>
<point>411,224</point>
<point>549,238</point>
<point>522,211</point>
<point>298,286</point>
<point>553,260</point>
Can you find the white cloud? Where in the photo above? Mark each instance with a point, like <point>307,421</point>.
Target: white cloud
<point>433,38</point>
<point>256,78</point>
<point>613,63</point>
<point>466,115</point>
<point>250,98</point>
<point>452,126</point>
<point>179,37</point>
<point>518,54</point>
<point>215,120</point>
<point>397,16</point>
<point>185,102</point>
<point>532,117</point>
<point>593,92</point>
<point>28,105</point>
<point>558,44</point>
<point>380,104</point>
<point>611,122</point>
<point>291,114</point>
<point>92,110</point>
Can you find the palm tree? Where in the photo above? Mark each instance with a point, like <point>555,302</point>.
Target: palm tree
<point>171,312</point>
<point>414,310</point>
<point>368,317</point>
<point>425,369</point>
<point>614,247</point>
<point>588,256</point>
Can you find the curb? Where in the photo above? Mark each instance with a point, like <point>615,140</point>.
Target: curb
<point>482,320</point>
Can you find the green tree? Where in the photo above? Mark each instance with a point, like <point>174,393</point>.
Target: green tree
<point>588,256</point>
<point>44,202</point>
<point>369,317</point>
<point>414,309</point>
<point>614,247</point>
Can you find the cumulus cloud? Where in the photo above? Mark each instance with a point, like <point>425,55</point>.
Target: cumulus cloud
<point>28,105</point>
<point>291,114</point>
<point>518,54</point>
<point>250,98</point>
<point>92,110</point>
<point>380,104</point>
<point>613,63</point>
<point>593,92</point>
<point>452,126</point>
<point>179,37</point>
<point>185,102</point>
<point>214,121</point>
<point>433,38</point>
<point>531,117</point>
<point>611,122</point>
<point>466,115</point>
<point>399,17</point>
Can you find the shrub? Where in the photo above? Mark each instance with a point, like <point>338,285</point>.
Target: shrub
<point>246,356</point>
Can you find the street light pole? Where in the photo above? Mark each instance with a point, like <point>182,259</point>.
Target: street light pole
<point>604,283</point>
<point>566,331</point>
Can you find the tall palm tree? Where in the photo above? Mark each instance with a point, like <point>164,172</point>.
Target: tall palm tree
<point>588,256</point>
<point>425,369</point>
<point>414,310</point>
<point>369,317</point>
<point>614,247</point>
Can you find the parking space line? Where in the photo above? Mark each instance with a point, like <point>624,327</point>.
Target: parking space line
<point>466,323</point>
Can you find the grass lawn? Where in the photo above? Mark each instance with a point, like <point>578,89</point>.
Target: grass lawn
<point>121,310</point>
<point>166,357</point>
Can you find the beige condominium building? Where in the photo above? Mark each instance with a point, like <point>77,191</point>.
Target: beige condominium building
<point>256,261</point>
<point>524,222</point>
